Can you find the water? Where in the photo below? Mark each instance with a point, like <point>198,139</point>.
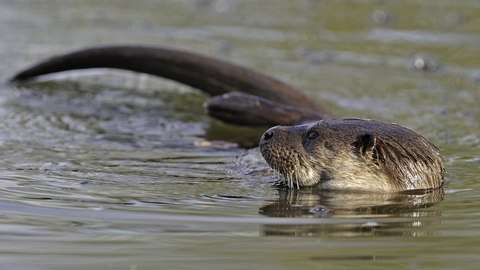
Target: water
<point>100,169</point>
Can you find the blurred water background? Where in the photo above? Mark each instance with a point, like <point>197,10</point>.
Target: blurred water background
<point>100,169</point>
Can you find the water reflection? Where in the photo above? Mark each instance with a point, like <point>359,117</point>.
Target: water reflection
<point>363,210</point>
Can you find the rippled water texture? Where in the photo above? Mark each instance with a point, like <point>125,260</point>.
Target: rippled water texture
<point>101,169</point>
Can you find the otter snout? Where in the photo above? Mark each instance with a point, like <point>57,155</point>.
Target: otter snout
<point>272,145</point>
<point>278,137</point>
<point>281,147</point>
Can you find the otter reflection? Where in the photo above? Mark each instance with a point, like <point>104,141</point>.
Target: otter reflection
<point>365,213</point>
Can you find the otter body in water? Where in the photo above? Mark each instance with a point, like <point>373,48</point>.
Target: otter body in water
<point>334,154</point>
<point>240,95</point>
<point>354,154</point>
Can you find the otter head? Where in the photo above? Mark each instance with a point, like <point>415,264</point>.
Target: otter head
<point>353,154</point>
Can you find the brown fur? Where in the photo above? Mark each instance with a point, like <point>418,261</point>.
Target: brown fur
<point>347,154</point>
<point>353,154</point>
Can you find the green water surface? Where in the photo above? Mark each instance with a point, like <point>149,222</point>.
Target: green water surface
<point>99,169</point>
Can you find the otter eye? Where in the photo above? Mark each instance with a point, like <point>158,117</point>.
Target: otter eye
<point>312,135</point>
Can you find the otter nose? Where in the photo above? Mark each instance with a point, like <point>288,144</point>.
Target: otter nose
<point>268,135</point>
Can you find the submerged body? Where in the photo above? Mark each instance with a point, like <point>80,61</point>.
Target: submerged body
<point>353,154</point>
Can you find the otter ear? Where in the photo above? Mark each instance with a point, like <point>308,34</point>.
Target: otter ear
<point>365,142</point>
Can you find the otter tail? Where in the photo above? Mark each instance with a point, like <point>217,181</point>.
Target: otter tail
<point>210,75</point>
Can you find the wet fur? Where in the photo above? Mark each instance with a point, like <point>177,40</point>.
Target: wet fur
<point>347,154</point>
<point>354,154</point>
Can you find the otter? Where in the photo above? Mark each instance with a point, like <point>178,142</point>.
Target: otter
<point>309,148</point>
<point>241,96</point>
<point>353,154</point>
